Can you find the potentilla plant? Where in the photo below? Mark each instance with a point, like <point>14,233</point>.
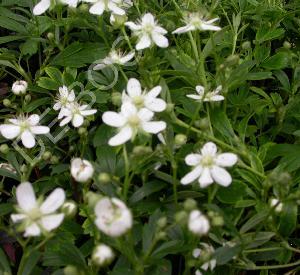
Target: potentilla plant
<point>148,137</point>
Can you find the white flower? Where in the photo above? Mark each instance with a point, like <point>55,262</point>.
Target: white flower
<point>143,99</point>
<point>115,57</point>
<point>76,113</point>
<point>63,100</point>
<point>37,216</point>
<point>19,87</point>
<point>208,166</point>
<point>102,254</point>
<point>82,170</point>
<point>112,217</point>
<point>277,204</point>
<point>148,32</point>
<point>198,223</point>
<point>130,121</point>
<point>195,21</point>
<point>69,208</point>
<point>209,96</point>
<point>207,249</point>
<point>99,6</point>
<point>25,128</point>
<point>44,5</point>
<point>8,167</point>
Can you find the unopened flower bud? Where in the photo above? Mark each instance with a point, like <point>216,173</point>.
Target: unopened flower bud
<point>6,102</point>
<point>232,60</point>
<point>161,235</point>
<point>54,160</point>
<point>19,87</point>
<point>287,45</point>
<point>116,98</point>
<point>102,255</point>
<point>24,168</point>
<point>27,98</point>
<point>170,107</point>
<point>217,221</point>
<point>4,149</point>
<point>82,170</point>
<point>162,222</point>
<point>47,155</point>
<point>141,150</point>
<point>198,223</point>
<point>246,45</point>
<point>69,208</point>
<point>181,217</point>
<point>104,178</point>
<point>50,35</point>
<point>118,20</point>
<point>190,204</point>
<point>92,198</point>
<point>202,123</point>
<point>82,131</point>
<point>180,139</point>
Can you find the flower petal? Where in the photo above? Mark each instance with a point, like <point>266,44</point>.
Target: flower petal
<point>54,201</point>
<point>77,120</point>
<point>160,40</point>
<point>221,176</point>
<point>32,231</point>
<point>145,115</point>
<point>209,148</point>
<point>133,26</point>
<point>155,104</point>
<point>184,29</point>
<point>208,27</point>
<point>144,42</point>
<point>128,109</point>
<point>200,89</point>
<point>88,112</point>
<point>25,196</point>
<point>205,178</point>
<point>226,159</point>
<point>115,9</point>
<point>33,120</point>
<point>51,222</point>
<point>41,7</point>
<point>196,97</point>
<point>39,130</point>
<point>191,176</point>
<point>127,57</point>
<point>113,119</point>
<point>97,8</point>
<point>154,127</point>
<point>148,18</point>
<point>123,136</point>
<point>28,139</point>
<point>134,87</point>
<point>193,159</point>
<point>217,98</point>
<point>17,217</point>
<point>10,131</point>
<point>154,92</point>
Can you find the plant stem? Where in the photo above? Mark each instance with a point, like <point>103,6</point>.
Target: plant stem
<point>126,38</point>
<point>127,178</point>
<point>194,46</point>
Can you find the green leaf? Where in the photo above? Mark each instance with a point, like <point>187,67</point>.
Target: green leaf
<point>30,47</point>
<point>28,262</point>
<point>54,74</point>
<point>37,103</point>
<point>254,221</point>
<point>4,264</point>
<point>48,83</point>
<point>167,248</point>
<point>276,62</point>
<point>12,25</point>
<point>265,34</point>
<point>231,194</point>
<point>288,218</point>
<point>224,254</point>
<point>6,208</point>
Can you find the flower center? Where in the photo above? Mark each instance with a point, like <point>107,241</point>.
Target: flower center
<point>138,101</point>
<point>24,125</point>
<point>207,161</point>
<point>134,120</point>
<point>148,28</point>
<point>34,214</point>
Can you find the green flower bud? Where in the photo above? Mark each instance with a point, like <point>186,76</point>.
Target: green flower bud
<point>180,139</point>
<point>181,217</point>
<point>118,20</point>
<point>161,235</point>
<point>287,45</point>
<point>217,221</point>
<point>6,102</point>
<point>69,208</point>
<point>202,123</point>
<point>50,35</point>
<point>82,131</point>
<point>232,60</point>
<point>47,155</point>
<point>246,45</point>
<point>116,98</point>
<point>71,270</point>
<point>54,160</point>
<point>162,222</point>
<point>24,168</point>
<point>141,150</point>
<point>190,204</point>
<point>4,149</point>
<point>104,178</point>
<point>170,107</point>
<point>27,98</point>
<point>92,198</point>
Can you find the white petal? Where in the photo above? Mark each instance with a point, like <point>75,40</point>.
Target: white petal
<point>184,29</point>
<point>160,30</point>
<point>209,148</point>
<point>77,120</point>
<point>207,27</point>
<point>88,112</point>
<point>200,89</point>
<point>128,109</point>
<point>160,40</point>
<point>145,115</point>
<point>148,18</point>
<point>9,131</point>
<point>54,201</point>
<point>217,98</point>
<point>65,121</point>
<point>57,106</point>
<point>134,87</point>
<point>133,26</point>
<point>154,92</point>
<point>211,21</point>
<point>38,130</point>
<point>154,127</point>
<point>113,119</point>
<point>155,104</point>
<point>123,136</point>
<point>28,139</point>
<point>17,217</point>
<point>221,176</point>
<point>205,178</point>
<point>32,231</point>
<point>25,196</point>
<point>33,120</point>
<point>41,7</point>
<point>226,159</point>
<point>71,96</point>
<point>115,9</point>
<point>196,97</point>
<point>144,42</point>
<point>127,57</point>
<point>191,176</point>
<point>193,159</point>
<point>97,8</point>
<point>51,222</point>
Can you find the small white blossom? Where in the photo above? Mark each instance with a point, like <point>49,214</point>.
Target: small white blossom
<point>102,255</point>
<point>198,223</point>
<point>34,215</point>
<point>75,113</point>
<point>24,128</point>
<point>143,99</point>
<point>148,32</point>
<point>113,217</point>
<point>69,208</point>
<point>207,249</point>
<point>130,121</point>
<point>82,170</point>
<point>277,204</point>
<point>196,21</point>
<point>209,96</point>
<point>99,6</point>
<point>19,87</point>
<point>64,98</point>
<point>44,5</point>
<point>208,166</point>
<point>115,57</point>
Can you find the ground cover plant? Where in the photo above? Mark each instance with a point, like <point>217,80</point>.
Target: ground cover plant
<point>149,137</point>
